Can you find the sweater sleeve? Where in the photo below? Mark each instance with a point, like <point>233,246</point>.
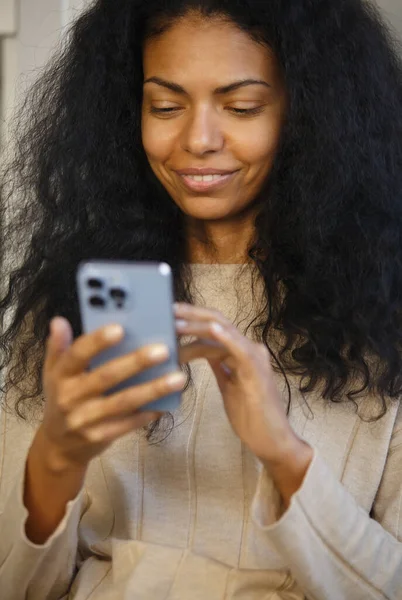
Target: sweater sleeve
<point>334,549</point>
<point>27,570</point>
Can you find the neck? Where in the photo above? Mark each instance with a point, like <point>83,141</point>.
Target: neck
<point>218,242</point>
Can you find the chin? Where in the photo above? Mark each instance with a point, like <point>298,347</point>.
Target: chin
<point>206,209</point>
<point>208,215</point>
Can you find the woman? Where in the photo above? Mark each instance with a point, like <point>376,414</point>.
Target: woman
<point>256,147</point>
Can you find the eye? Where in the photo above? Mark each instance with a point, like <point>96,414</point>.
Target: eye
<point>164,111</point>
<point>245,112</point>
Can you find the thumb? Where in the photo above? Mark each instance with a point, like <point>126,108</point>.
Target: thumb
<point>60,338</point>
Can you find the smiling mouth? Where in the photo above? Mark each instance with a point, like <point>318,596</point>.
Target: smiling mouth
<point>204,177</point>
<point>206,181</point>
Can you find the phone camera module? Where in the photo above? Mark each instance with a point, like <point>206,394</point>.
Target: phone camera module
<point>97,302</point>
<point>119,296</point>
<point>95,283</point>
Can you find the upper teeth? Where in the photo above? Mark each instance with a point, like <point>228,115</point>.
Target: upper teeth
<point>204,177</point>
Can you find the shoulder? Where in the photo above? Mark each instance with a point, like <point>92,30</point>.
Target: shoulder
<point>396,439</point>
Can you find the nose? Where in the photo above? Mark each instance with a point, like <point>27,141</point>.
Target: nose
<point>202,134</point>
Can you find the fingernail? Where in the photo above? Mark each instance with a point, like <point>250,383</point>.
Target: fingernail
<point>60,329</point>
<point>217,328</point>
<point>58,322</point>
<point>113,332</point>
<point>180,323</point>
<point>176,379</point>
<point>55,323</point>
<point>181,306</point>
<point>158,352</point>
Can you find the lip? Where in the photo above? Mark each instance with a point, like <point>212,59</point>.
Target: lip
<point>186,177</point>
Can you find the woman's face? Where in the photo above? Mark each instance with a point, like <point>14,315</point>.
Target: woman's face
<point>214,104</point>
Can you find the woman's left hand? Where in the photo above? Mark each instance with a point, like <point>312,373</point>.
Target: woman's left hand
<point>244,375</point>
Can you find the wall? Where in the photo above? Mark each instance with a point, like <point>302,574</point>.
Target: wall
<point>8,17</point>
<point>8,57</point>
<point>393,12</point>
<point>29,30</point>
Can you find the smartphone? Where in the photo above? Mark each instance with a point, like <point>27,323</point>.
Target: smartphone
<point>139,297</point>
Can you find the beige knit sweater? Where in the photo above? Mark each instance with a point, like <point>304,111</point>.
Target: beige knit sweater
<point>196,518</point>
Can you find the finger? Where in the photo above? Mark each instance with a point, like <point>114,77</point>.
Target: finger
<point>116,371</point>
<point>126,402</point>
<point>59,339</point>
<point>78,356</point>
<point>236,345</point>
<point>207,349</point>
<point>109,432</point>
<point>221,371</point>
<point>214,353</point>
<point>189,312</point>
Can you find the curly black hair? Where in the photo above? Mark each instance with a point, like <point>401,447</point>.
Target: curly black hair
<point>329,229</point>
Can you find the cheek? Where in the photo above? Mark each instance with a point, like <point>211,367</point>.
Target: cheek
<point>263,143</point>
<point>157,141</point>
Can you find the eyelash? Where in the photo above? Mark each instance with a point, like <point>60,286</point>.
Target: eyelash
<point>162,111</point>
<point>245,112</point>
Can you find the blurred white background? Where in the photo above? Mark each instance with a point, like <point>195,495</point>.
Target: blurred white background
<point>29,29</point>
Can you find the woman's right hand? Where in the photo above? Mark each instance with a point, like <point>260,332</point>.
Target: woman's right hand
<point>80,421</point>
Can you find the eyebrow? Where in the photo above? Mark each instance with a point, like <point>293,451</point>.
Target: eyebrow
<point>226,89</point>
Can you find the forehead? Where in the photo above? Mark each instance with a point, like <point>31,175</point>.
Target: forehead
<point>197,48</point>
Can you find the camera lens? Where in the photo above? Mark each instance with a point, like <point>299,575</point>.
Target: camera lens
<point>95,283</point>
<point>97,301</point>
<point>118,294</point>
